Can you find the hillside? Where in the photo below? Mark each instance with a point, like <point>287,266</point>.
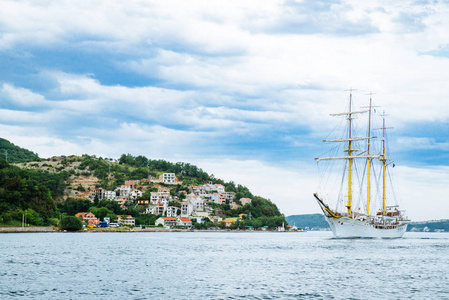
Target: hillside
<point>308,222</point>
<point>15,154</point>
<point>429,226</point>
<point>71,184</point>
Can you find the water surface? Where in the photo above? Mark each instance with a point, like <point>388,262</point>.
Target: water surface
<point>217,265</point>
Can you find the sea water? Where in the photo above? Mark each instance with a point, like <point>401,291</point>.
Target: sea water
<point>222,265</point>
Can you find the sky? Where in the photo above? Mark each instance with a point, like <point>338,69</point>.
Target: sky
<point>242,89</point>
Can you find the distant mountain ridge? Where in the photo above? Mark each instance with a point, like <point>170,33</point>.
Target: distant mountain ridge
<point>308,221</point>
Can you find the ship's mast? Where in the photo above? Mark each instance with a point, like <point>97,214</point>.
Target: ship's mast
<point>368,192</point>
<point>349,205</point>
<point>384,164</point>
<point>349,156</point>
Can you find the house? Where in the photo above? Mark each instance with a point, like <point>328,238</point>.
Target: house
<point>143,202</point>
<point>158,209</point>
<point>197,190</point>
<point>135,194</point>
<point>168,177</point>
<point>215,219</point>
<point>150,209</point>
<point>229,221</point>
<point>172,211</point>
<point>126,220</point>
<point>184,222</point>
<point>125,190</point>
<point>186,209</point>
<point>219,188</point>
<point>87,217</point>
<point>166,221</point>
<point>219,198</point>
<point>132,183</point>
<point>110,195</point>
<point>160,196</point>
<point>99,192</point>
<point>121,200</point>
<point>197,202</point>
<point>229,196</point>
<point>245,201</point>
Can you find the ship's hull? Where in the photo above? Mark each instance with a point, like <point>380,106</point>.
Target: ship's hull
<point>349,228</point>
<point>344,227</point>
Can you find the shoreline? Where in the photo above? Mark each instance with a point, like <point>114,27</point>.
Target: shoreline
<point>124,229</point>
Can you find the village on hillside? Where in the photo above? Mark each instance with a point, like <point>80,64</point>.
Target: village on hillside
<point>196,205</point>
<point>140,193</point>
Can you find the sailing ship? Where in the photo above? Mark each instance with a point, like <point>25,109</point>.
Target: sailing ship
<point>364,205</point>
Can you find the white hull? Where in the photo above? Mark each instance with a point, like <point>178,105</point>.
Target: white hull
<point>349,228</point>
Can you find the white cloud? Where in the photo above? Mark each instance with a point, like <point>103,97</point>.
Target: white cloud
<point>21,97</point>
<point>217,71</point>
<point>422,191</point>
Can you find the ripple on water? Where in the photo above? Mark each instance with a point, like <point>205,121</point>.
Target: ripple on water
<point>222,266</point>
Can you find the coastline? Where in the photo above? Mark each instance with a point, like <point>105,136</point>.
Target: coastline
<point>123,229</point>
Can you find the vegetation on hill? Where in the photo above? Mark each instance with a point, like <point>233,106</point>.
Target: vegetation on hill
<point>15,154</point>
<point>26,191</point>
<point>429,226</point>
<point>44,191</point>
<point>308,221</point>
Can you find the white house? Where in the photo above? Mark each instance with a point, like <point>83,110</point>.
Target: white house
<point>197,202</point>
<point>158,209</point>
<point>185,222</point>
<point>168,177</point>
<point>110,195</point>
<point>160,197</point>
<point>166,221</point>
<point>125,190</point>
<point>186,209</point>
<point>135,194</point>
<point>126,220</point>
<point>219,188</point>
<point>172,211</point>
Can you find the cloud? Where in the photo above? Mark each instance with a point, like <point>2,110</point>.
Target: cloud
<point>319,17</point>
<point>246,81</point>
<point>20,98</point>
<point>419,143</point>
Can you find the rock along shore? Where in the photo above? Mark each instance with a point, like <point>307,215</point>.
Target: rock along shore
<point>27,229</point>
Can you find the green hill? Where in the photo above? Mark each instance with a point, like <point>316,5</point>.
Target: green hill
<point>308,222</point>
<point>15,154</point>
<point>51,187</point>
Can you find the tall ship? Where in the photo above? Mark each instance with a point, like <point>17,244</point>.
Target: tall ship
<point>356,193</point>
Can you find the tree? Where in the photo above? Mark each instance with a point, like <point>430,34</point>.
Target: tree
<point>101,212</point>
<point>71,223</point>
